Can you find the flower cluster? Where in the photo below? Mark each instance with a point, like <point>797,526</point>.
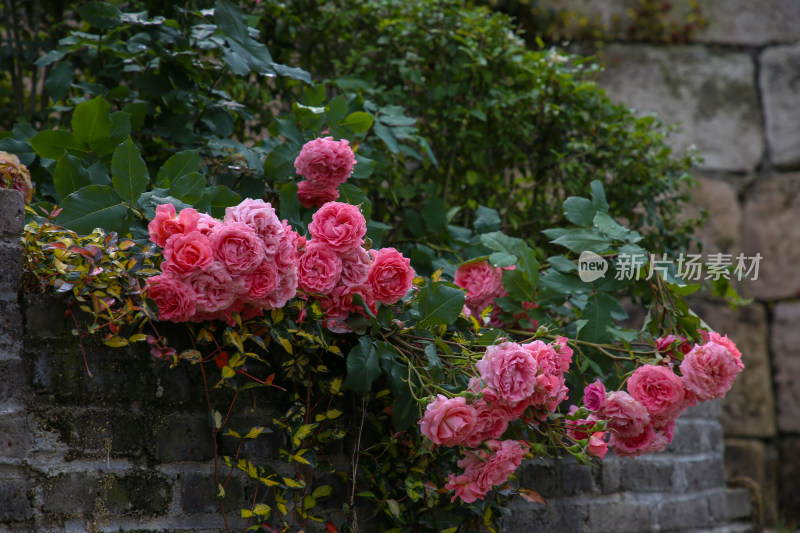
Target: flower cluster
<point>642,420</point>
<point>484,284</point>
<point>244,263</point>
<point>15,175</point>
<point>336,266</point>
<point>516,381</point>
<point>325,164</point>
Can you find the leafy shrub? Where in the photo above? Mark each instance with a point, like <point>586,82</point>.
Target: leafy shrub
<point>515,129</point>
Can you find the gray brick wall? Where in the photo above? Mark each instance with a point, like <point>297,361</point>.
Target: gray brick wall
<point>130,449</point>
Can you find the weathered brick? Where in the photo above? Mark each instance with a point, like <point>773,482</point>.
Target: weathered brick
<point>700,473</point>
<point>15,505</point>
<point>611,468</point>
<point>561,516</point>
<point>695,435</point>
<point>10,322</point>
<point>778,83</point>
<point>15,436</point>
<point>626,513</point>
<point>11,259</point>
<point>739,504</point>
<point>73,493</point>
<point>789,487</point>
<point>708,410</point>
<point>184,437</point>
<point>684,512</point>
<point>44,316</point>
<point>199,493</point>
<point>12,213</point>
<point>266,446</point>
<point>785,338</point>
<point>91,432</point>
<point>751,463</point>
<point>13,379</point>
<point>647,474</point>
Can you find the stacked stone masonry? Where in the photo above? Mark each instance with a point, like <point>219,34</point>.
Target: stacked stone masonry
<point>734,90</point>
<point>130,449</point>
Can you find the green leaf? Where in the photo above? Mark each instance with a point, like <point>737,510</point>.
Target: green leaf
<point>579,210</point>
<point>364,167</point>
<point>564,284</point>
<point>290,205</point>
<point>215,199</point>
<point>189,188</point>
<point>502,259</point>
<point>358,122</point>
<point>178,165</point>
<point>129,171</point>
<point>91,121</point>
<point>98,174</point>
<point>21,149</point>
<point>149,200</point>
<point>52,144</point>
<point>230,20</point>
<point>51,57</point>
<point>59,80</point>
<point>518,287</point>
<point>385,134</point>
<point>93,206</point>
<point>610,227</point>
<point>434,213</point>
<point>598,316</point>
<point>486,219</point>
<point>120,130</point>
<point>70,175</point>
<point>279,164</point>
<point>529,265</point>
<point>353,195</point>
<point>362,366</point>
<point>599,197</point>
<point>501,242</point>
<point>562,264</point>
<point>439,303</point>
<point>580,240</point>
<point>100,15</point>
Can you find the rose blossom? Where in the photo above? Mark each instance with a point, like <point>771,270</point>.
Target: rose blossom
<point>341,226</point>
<point>666,344</point>
<point>509,369</point>
<point>465,487</point>
<point>186,253</point>
<point>175,299</point>
<point>319,268</point>
<point>594,395</point>
<point>325,162</point>
<point>355,266</point>
<point>709,370</point>
<point>390,275</point>
<point>311,195</point>
<point>287,289</point>
<point>261,217</point>
<point>237,246</point>
<point>561,346</point>
<point>448,421</point>
<point>166,223</point>
<point>206,223</point>
<point>626,417</point>
<point>491,422</point>
<point>483,283</point>
<point>727,343</point>
<point>340,303</point>
<point>597,446</point>
<point>214,288</point>
<point>262,281</point>
<point>506,458</point>
<point>647,441</point>
<point>16,176</point>
<point>659,390</point>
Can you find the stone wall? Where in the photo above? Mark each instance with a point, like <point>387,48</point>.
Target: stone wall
<point>735,90</point>
<point>129,448</point>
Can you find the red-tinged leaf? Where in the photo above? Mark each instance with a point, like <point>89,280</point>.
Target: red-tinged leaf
<point>331,528</point>
<point>55,212</point>
<point>430,485</point>
<point>532,496</point>
<point>221,359</point>
<point>54,245</point>
<point>270,379</point>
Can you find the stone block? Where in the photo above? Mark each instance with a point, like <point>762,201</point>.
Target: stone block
<point>11,259</point>
<point>739,506</point>
<point>751,464</point>
<point>15,504</point>
<point>12,213</point>
<point>184,437</point>
<point>712,95</point>
<point>265,446</point>
<point>199,493</point>
<point>560,515</point>
<point>785,340</point>
<point>722,232</point>
<point>647,474</point>
<point>15,436</point>
<point>684,512</point>
<point>743,22</point>
<point>705,410</point>
<point>771,225</point>
<point>700,473</point>
<point>44,316</point>
<point>789,480</point>
<point>101,432</point>
<point>13,380</point>
<point>696,436</point>
<point>628,513</point>
<point>10,323</point>
<point>749,407</point>
<point>74,493</point>
<point>779,80</point>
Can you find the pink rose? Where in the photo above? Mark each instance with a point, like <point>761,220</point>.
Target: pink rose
<point>319,268</point>
<point>659,390</point>
<point>448,421</point>
<point>175,298</point>
<point>261,217</point>
<point>237,246</point>
<point>626,417</point>
<point>186,253</point>
<point>491,422</point>
<point>311,195</point>
<point>550,362</point>
<point>214,288</point>
<point>355,266</point>
<point>509,369</point>
<point>709,370</point>
<point>483,283</point>
<point>262,281</point>
<point>325,162</point>
<point>287,289</point>
<point>594,395</point>
<point>340,303</point>
<point>390,275</point>
<point>506,458</point>
<point>666,345</point>
<point>597,446</point>
<point>465,487</point>
<point>16,176</point>
<point>579,429</point>
<point>166,224</point>
<point>727,343</point>
<point>561,346</point>
<point>647,441</point>
<point>340,226</point>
